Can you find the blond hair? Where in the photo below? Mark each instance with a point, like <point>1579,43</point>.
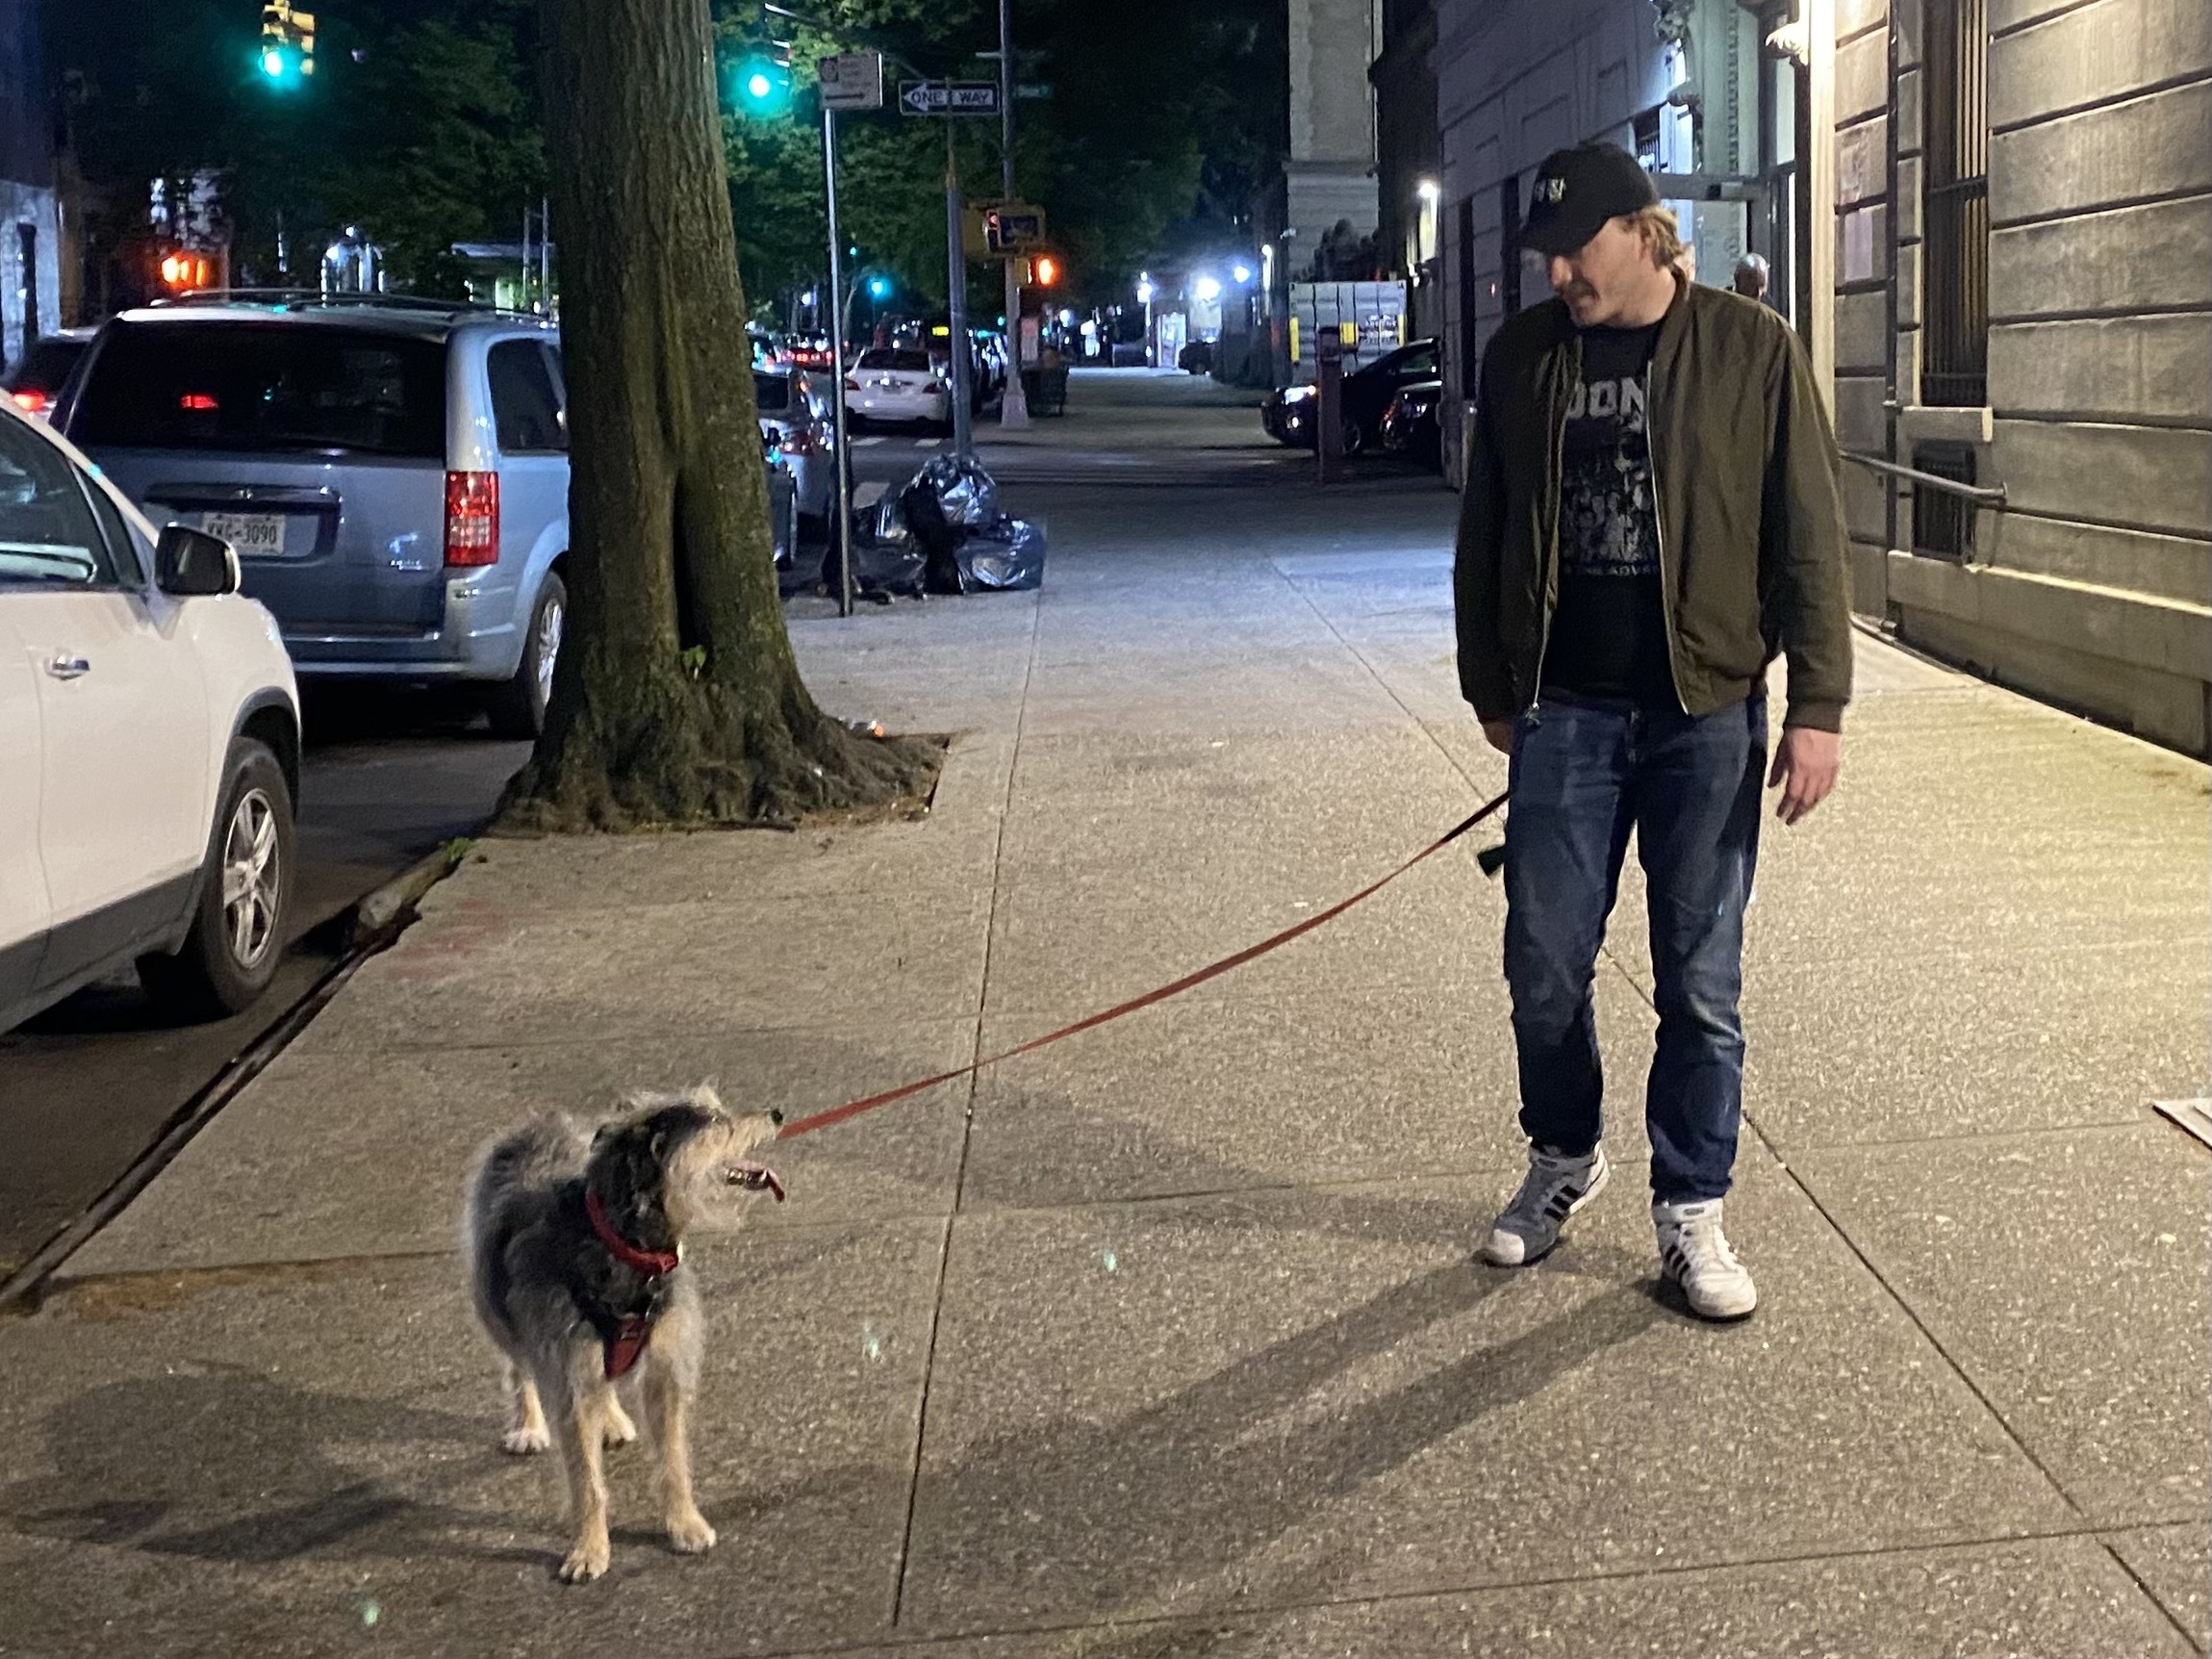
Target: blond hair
<point>1661,233</point>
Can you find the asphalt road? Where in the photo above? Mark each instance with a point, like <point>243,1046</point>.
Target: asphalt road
<point>87,1085</point>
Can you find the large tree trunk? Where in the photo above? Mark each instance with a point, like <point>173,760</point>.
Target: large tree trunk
<point>676,697</point>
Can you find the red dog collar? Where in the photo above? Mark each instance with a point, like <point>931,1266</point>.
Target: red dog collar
<point>653,1264</point>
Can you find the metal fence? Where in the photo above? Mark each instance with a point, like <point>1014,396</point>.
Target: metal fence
<point>1954,347</point>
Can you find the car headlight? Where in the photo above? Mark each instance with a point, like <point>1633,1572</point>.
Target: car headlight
<point>1296,394</point>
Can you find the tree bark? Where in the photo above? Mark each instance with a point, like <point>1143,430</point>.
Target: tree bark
<point>675,696</point>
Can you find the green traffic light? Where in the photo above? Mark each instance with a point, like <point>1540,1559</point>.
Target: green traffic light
<point>281,65</point>
<point>879,288</point>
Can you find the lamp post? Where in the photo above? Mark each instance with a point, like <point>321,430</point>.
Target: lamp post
<point>1144,294</point>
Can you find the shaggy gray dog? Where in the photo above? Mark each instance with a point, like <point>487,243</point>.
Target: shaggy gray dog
<point>573,1249</point>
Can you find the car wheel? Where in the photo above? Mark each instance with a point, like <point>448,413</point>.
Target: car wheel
<point>1354,438</point>
<point>244,904</point>
<point>518,706</point>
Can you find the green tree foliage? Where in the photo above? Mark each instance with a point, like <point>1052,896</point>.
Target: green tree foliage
<point>421,122</point>
<point>421,125</point>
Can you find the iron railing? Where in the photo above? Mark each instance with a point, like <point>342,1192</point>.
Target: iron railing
<point>1954,345</point>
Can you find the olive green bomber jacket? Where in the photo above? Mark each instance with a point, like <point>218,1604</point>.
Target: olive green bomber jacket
<point>1748,490</point>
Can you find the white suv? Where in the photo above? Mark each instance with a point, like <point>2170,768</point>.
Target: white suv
<point>149,748</point>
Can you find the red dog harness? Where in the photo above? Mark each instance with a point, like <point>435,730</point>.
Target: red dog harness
<point>624,1335</point>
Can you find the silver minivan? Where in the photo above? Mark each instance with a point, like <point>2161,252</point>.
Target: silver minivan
<point>394,474</point>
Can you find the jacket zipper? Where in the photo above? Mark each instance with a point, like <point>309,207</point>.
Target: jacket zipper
<point>1659,522</point>
<point>1557,439</point>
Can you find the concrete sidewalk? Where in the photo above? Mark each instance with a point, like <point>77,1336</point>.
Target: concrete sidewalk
<point>1167,1341</point>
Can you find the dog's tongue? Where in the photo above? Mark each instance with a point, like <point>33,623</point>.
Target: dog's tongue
<point>757,1176</point>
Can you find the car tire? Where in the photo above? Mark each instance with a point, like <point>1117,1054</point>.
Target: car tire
<point>517,705</point>
<point>1354,438</point>
<point>244,906</point>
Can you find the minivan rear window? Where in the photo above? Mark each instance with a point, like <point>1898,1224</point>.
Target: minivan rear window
<point>771,392</point>
<point>240,386</point>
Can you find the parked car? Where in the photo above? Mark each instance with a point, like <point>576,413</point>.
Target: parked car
<point>782,505</point>
<point>1196,358</point>
<point>394,476</point>
<point>1411,424</point>
<point>892,383</point>
<point>36,381</point>
<point>803,440</point>
<point>1288,413</point>
<point>149,748</point>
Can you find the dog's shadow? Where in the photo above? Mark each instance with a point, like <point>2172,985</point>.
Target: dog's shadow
<point>225,1463</point>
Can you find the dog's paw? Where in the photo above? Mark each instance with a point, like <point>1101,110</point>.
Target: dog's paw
<point>689,1533</point>
<point>620,1430</point>
<point>586,1560</point>
<point>522,1442</point>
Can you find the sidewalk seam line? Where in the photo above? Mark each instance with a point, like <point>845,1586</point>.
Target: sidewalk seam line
<point>1808,1557</point>
<point>2155,1599</point>
<point>1790,1172</point>
<point>967,1119</point>
<point>1919,1324</point>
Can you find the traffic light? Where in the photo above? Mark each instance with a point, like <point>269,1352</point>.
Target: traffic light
<point>1047,268</point>
<point>286,54</point>
<point>880,287</point>
<point>762,81</point>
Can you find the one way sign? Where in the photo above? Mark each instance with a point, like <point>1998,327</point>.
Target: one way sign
<point>947,97</point>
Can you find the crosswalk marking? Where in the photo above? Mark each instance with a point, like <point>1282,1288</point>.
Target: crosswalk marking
<point>925,442</point>
<point>864,443</point>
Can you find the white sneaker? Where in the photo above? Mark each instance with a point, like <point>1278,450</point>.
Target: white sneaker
<point>1554,1188</point>
<point>1694,1251</point>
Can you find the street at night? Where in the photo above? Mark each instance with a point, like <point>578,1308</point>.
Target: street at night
<point>1010,831</point>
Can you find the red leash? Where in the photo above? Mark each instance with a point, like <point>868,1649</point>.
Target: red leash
<point>854,1107</point>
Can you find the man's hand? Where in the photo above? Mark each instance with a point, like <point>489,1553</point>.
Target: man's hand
<point>1805,765</point>
<point>1500,732</point>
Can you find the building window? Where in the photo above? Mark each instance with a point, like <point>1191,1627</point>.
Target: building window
<point>1510,245</point>
<point>1648,139</point>
<point>1943,523</point>
<point>1954,351</point>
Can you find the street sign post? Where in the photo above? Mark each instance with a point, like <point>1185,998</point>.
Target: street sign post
<point>948,98</point>
<point>851,81</point>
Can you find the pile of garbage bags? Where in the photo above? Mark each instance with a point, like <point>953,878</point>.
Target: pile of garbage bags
<point>943,533</point>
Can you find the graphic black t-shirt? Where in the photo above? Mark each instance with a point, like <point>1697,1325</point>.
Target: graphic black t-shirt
<point>1609,634</point>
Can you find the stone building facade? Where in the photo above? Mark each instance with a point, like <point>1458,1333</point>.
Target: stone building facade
<point>29,211</point>
<point>2024,299</point>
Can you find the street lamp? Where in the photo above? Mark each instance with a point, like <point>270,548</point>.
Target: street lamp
<point>1144,294</point>
<point>1430,191</point>
<point>1206,289</point>
<point>1242,272</point>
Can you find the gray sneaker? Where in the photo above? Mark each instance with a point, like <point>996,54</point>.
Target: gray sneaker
<point>1694,1251</point>
<point>1554,1188</point>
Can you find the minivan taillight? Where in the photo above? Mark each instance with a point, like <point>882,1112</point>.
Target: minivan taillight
<point>472,519</point>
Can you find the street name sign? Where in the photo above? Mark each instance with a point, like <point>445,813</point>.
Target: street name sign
<point>851,81</point>
<point>947,97</point>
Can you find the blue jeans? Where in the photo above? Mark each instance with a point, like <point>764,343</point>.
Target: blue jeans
<point>1583,774</point>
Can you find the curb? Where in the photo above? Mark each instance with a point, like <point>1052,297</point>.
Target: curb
<point>377,921</point>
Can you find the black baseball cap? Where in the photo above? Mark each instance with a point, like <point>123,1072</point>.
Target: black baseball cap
<point>1577,189</point>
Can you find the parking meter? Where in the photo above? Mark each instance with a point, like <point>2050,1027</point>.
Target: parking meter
<point>1329,403</point>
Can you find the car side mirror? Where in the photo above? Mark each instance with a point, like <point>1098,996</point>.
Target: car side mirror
<point>190,562</point>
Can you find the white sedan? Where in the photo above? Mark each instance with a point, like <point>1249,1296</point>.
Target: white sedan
<point>149,748</point>
<point>891,384</point>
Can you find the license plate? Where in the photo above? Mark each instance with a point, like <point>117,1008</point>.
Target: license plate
<point>255,535</point>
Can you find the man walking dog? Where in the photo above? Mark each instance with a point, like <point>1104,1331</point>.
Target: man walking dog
<point>1651,516</point>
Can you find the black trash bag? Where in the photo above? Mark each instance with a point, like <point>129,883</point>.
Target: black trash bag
<point>887,556</point>
<point>1005,555</point>
<point>964,493</point>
